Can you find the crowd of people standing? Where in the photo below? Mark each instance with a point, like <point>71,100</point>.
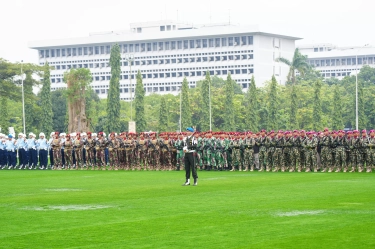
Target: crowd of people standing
<point>325,151</point>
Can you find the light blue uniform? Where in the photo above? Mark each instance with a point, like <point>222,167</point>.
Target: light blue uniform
<point>3,155</point>
<point>10,148</point>
<point>32,154</point>
<point>22,152</point>
<point>43,147</point>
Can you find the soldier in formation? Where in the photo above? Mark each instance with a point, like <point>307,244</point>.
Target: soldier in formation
<point>335,151</point>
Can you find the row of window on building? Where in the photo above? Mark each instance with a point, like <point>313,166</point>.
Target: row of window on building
<point>165,56</point>
<point>149,46</point>
<point>343,62</point>
<point>336,74</point>
<point>161,61</point>
<point>155,89</point>
<point>236,71</point>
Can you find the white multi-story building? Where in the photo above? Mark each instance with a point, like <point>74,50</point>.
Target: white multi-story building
<point>165,52</point>
<point>338,62</point>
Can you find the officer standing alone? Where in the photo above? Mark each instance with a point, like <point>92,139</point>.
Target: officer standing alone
<point>190,143</point>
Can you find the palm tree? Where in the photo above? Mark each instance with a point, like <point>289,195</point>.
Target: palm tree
<point>299,62</point>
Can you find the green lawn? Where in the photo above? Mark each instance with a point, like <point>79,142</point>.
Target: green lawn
<point>125,209</point>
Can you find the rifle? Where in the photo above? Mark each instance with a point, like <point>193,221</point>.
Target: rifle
<point>152,145</point>
<point>162,145</point>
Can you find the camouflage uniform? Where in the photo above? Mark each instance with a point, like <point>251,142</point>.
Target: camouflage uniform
<point>262,141</point>
<point>270,155</point>
<point>213,153</point>
<point>326,154</point>
<point>101,144</point>
<point>333,148</point>
<point>142,153</point>
<point>166,154</point>
<point>310,150</point>
<point>236,154</point>
<point>219,153</point>
<point>363,145</point>
<point>121,152</point>
<point>302,154</point>
<point>153,154</point>
<point>68,151</point>
<point>248,155</point>
<point>173,154</point>
<point>355,153</point>
<point>91,159</point>
<point>78,147</point>
<point>226,148</point>
<point>370,154</point>
<point>179,144</point>
<point>287,154</point>
<point>208,153</point>
<point>129,155</point>
<point>200,145</point>
<point>294,153</point>
<point>278,154</point>
<point>56,150</point>
<point>113,146</point>
<point>340,153</point>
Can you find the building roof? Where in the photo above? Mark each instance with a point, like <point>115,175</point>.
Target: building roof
<point>343,52</point>
<point>121,36</point>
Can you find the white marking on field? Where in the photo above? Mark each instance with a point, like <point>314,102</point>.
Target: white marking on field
<point>67,207</point>
<point>214,178</point>
<point>297,213</point>
<point>344,181</point>
<point>62,189</point>
<point>351,203</point>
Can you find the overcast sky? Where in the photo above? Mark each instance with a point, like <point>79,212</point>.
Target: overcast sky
<point>341,22</point>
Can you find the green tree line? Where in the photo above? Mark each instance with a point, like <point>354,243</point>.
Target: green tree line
<point>307,102</point>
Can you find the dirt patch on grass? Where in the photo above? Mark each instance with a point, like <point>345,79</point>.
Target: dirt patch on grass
<point>63,189</point>
<point>299,212</point>
<point>67,207</point>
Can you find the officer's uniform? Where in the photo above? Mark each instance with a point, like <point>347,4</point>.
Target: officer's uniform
<point>3,159</point>
<point>190,144</point>
<point>22,151</point>
<point>31,151</point>
<point>43,147</point>
<point>11,147</point>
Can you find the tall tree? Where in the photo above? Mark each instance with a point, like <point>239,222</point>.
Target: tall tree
<point>272,105</point>
<point>46,104</point>
<point>185,105</point>
<point>204,109</point>
<point>113,100</point>
<point>139,104</point>
<point>337,122</point>
<point>4,120</point>
<point>78,82</point>
<point>252,120</point>
<point>362,120</point>
<point>29,101</point>
<point>163,115</point>
<point>229,124</point>
<point>293,124</point>
<point>299,62</point>
<point>317,108</point>
<point>59,108</point>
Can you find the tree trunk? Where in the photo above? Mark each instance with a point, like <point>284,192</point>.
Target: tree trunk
<point>77,113</point>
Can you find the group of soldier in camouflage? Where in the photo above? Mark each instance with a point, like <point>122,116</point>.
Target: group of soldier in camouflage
<point>243,151</point>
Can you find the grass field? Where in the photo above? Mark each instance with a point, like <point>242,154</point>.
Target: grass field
<point>95,209</point>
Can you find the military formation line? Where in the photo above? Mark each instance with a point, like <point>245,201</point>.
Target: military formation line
<point>286,151</point>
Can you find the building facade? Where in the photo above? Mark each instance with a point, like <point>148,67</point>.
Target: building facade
<point>165,52</point>
<point>338,62</point>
